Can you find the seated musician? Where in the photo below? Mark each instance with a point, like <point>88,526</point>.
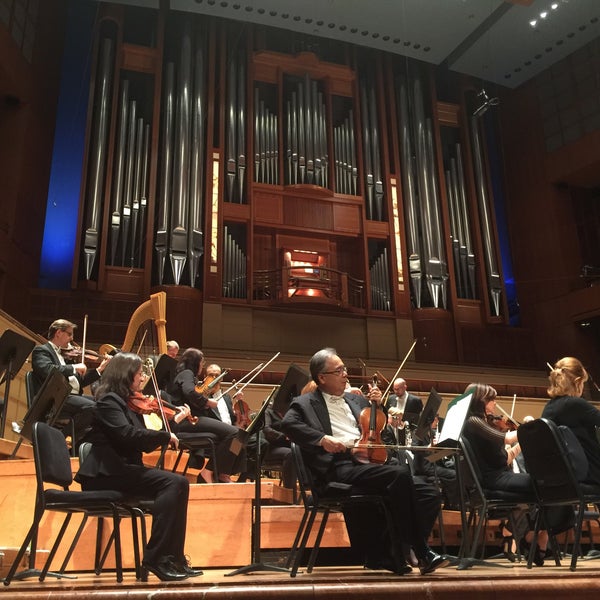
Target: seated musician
<point>50,356</point>
<point>184,390</point>
<point>408,404</point>
<point>495,452</point>
<point>114,462</point>
<point>325,424</point>
<point>234,411</point>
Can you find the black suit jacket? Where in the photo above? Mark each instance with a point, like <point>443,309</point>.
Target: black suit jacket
<point>119,437</point>
<point>414,404</point>
<point>44,360</point>
<point>307,421</point>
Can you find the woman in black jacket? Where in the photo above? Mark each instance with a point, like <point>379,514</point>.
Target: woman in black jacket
<point>119,437</point>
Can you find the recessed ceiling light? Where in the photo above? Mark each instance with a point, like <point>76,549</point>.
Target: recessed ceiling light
<point>533,22</point>
<point>544,14</point>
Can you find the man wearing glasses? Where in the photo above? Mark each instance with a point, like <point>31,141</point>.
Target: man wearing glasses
<point>325,424</point>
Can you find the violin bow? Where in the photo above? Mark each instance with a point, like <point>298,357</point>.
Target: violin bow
<point>391,383</point>
<point>150,366</point>
<point>85,320</point>
<point>237,383</point>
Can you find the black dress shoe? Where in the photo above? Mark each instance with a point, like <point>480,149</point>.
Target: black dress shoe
<point>184,566</point>
<point>387,564</point>
<point>432,561</point>
<point>165,569</point>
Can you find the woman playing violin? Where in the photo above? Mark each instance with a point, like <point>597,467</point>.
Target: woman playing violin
<point>119,437</point>
<point>182,391</point>
<point>495,451</point>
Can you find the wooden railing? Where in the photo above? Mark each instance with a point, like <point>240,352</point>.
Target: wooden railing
<point>319,285</point>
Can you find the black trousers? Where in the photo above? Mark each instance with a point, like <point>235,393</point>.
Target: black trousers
<point>413,503</point>
<point>170,493</point>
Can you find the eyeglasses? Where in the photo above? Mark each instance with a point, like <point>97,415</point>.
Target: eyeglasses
<point>338,371</point>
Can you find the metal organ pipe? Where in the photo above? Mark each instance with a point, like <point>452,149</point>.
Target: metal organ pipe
<point>196,236</point>
<point>98,151</point>
<point>179,208</point>
<point>117,191</point>
<point>410,197</point>
<point>129,174</point>
<point>164,196</point>
<point>493,274</point>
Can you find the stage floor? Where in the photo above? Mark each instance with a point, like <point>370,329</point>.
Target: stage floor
<point>478,582</point>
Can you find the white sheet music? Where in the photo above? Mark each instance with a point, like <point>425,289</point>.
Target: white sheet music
<point>455,419</point>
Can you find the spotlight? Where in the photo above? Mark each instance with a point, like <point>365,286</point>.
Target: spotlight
<point>485,103</point>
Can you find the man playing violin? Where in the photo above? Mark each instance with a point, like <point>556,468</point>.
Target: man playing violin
<point>325,424</point>
<point>49,356</point>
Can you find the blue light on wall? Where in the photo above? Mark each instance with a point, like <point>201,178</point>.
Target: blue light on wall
<point>496,175</point>
<point>60,231</point>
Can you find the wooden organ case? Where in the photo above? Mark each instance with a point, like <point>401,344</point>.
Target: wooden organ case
<point>258,176</point>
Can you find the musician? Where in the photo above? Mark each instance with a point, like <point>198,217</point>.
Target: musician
<point>409,404</point>
<point>172,348</point>
<point>49,356</point>
<point>324,423</point>
<point>114,462</point>
<point>495,451</point>
<point>394,434</point>
<point>221,406</point>
<point>182,390</point>
<point>567,407</point>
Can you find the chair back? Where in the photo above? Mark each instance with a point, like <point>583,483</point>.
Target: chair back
<point>83,451</point>
<point>305,480</point>
<point>548,461</point>
<point>29,388</point>
<point>470,474</point>
<point>51,456</point>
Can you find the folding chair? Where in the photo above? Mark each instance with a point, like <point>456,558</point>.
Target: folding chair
<point>53,466</point>
<point>335,497</point>
<point>556,462</point>
<point>481,503</point>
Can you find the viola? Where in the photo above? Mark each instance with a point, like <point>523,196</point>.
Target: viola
<point>370,449</point>
<point>209,383</point>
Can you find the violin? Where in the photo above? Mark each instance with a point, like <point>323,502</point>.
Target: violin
<point>73,353</point>
<point>501,423</point>
<point>148,405</point>
<point>241,410</point>
<point>370,449</point>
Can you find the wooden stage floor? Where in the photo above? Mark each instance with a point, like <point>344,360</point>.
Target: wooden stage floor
<point>509,580</point>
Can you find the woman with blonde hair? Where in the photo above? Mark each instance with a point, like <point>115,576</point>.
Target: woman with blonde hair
<point>567,407</point>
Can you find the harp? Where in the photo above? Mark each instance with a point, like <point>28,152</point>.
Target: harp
<point>147,327</point>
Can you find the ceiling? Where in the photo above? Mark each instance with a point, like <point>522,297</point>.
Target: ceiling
<point>490,39</point>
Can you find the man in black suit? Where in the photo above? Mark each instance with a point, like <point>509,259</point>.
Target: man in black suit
<point>48,356</point>
<point>410,405</point>
<point>325,424</point>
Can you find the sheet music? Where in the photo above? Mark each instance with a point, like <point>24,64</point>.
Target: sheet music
<point>455,419</point>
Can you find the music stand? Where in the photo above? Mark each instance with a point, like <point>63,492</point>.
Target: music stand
<point>256,565</point>
<point>164,373</point>
<point>14,350</point>
<point>291,386</point>
<point>46,405</point>
<point>427,416</point>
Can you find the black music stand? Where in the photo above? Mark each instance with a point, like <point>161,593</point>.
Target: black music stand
<point>46,405</point>
<point>291,386</point>
<point>427,416</point>
<point>255,426</point>
<point>14,350</point>
<point>164,373</point>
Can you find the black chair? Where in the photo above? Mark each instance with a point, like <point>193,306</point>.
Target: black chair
<point>335,497</point>
<point>191,442</point>
<point>556,462</point>
<point>53,466</point>
<point>482,504</point>
<point>63,424</point>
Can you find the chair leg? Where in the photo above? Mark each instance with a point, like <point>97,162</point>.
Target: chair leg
<point>303,541</point>
<point>317,545</point>
<point>294,548</point>
<point>577,540</point>
<point>30,537</point>
<point>57,542</point>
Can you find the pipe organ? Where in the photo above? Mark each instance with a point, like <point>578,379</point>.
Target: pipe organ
<point>210,143</point>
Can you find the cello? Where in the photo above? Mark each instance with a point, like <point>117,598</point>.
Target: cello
<point>370,449</point>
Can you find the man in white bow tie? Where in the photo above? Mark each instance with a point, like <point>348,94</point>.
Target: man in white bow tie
<point>325,424</point>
